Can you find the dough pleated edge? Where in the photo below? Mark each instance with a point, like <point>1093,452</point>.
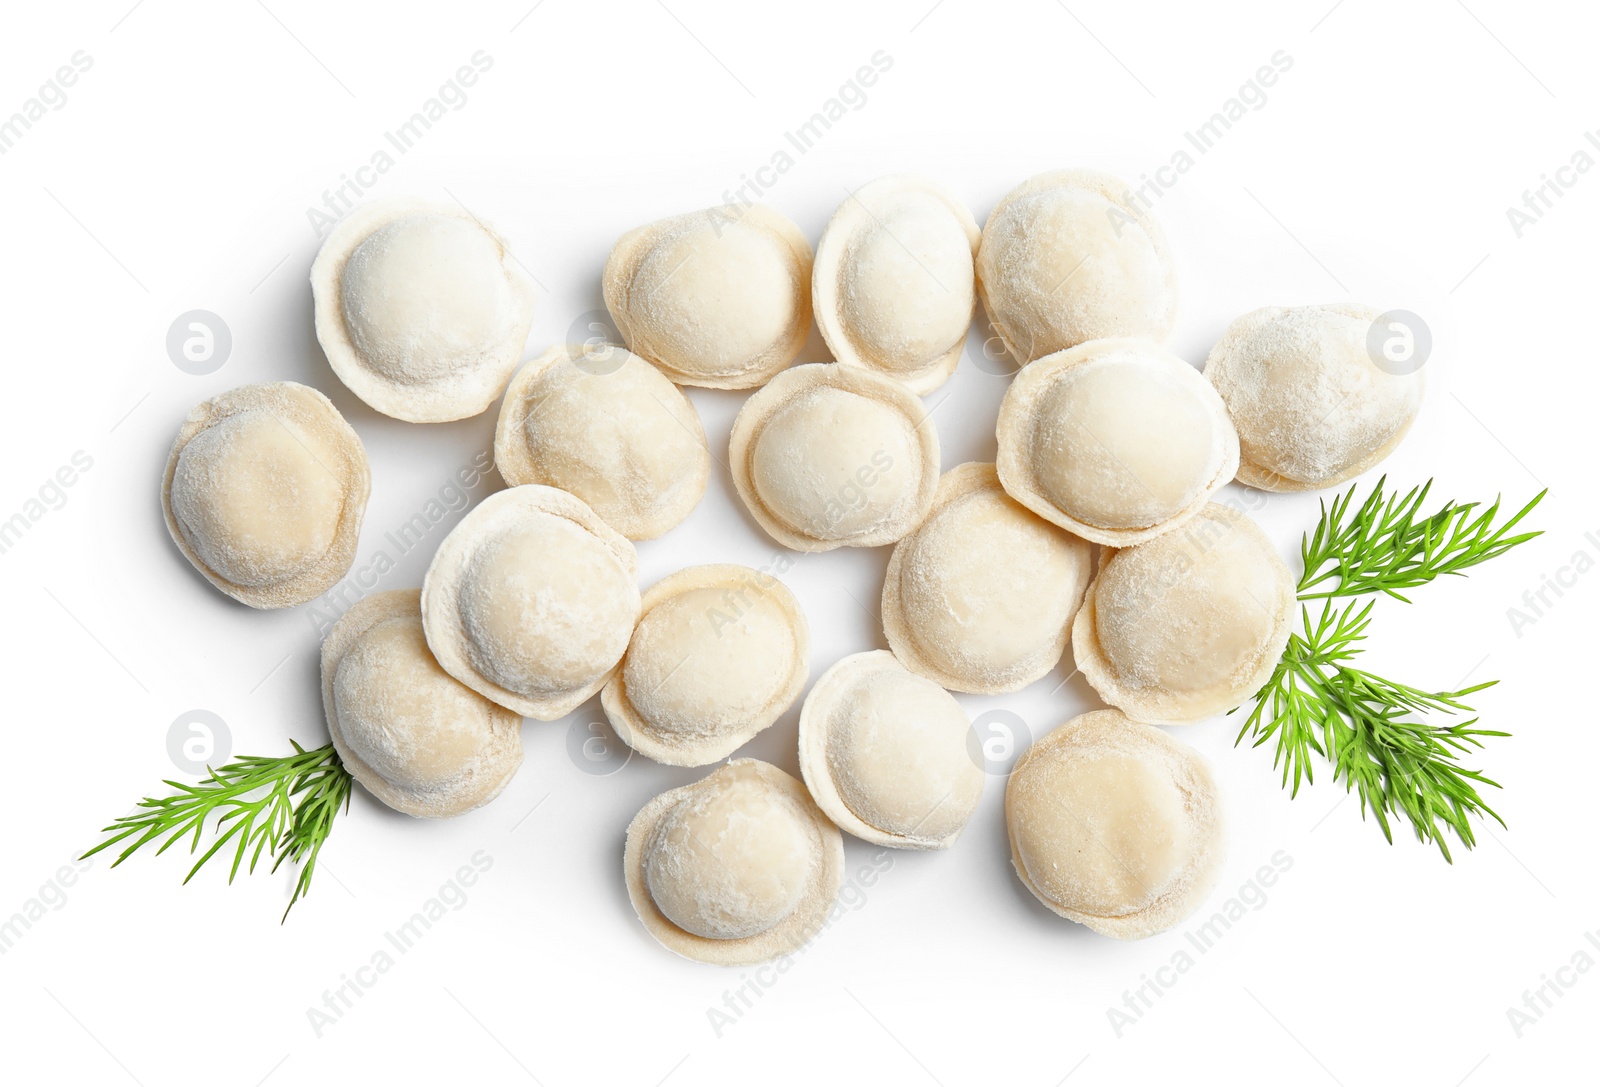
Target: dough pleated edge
<point>441,593</point>
<point>452,397</point>
<point>363,615</point>
<point>1201,794</point>
<point>1113,189</point>
<point>631,726</point>
<point>518,467</point>
<point>307,407</point>
<point>807,921</point>
<point>958,482</point>
<point>1265,479</point>
<point>762,405</point>
<point>816,724</point>
<point>1014,430</point>
<point>853,215</point>
<point>623,264</point>
<point>1158,708</point>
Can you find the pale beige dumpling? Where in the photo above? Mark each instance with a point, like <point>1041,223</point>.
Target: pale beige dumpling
<point>719,653</point>
<point>1312,407</point>
<point>719,298</point>
<point>1189,625</point>
<point>421,308</point>
<point>530,601</point>
<point>893,287</point>
<point>1067,257</point>
<point>264,491</point>
<point>1116,440</point>
<point>1115,825</point>
<point>738,868</point>
<point>833,456</point>
<point>980,598</point>
<point>417,739</point>
<point>600,422</point>
<point>887,754</point>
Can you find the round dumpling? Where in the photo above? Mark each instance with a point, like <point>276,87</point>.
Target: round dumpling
<point>1115,825</point>
<point>886,754</point>
<point>1312,407</point>
<point>738,868</point>
<point>530,601</point>
<point>264,491</point>
<point>602,423</point>
<point>421,309</point>
<point>418,740</point>
<point>719,298</point>
<point>893,286</point>
<point>980,598</point>
<point>834,456</point>
<point>719,653</point>
<point>1068,257</point>
<point>1117,441</point>
<point>1189,625</point>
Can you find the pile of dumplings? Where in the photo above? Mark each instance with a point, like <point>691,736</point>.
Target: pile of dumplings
<point>1096,525</point>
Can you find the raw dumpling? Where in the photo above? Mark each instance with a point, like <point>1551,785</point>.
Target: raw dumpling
<point>980,598</point>
<point>531,600</point>
<point>1116,440</point>
<point>420,308</point>
<point>893,286</point>
<point>264,492</point>
<point>719,653</point>
<point>1067,257</point>
<point>1189,625</point>
<point>1312,408</point>
<point>886,754</point>
<point>1115,825</point>
<point>834,456</point>
<point>416,739</point>
<point>719,298</point>
<point>602,423</point>
<point>738,868</point>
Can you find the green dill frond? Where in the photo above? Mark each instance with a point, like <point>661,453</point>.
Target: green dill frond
<point>1383,739</point>
<point>1387,545</point>
<point>283,807</point>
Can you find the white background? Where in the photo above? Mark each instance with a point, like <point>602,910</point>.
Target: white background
<point>178,175</point>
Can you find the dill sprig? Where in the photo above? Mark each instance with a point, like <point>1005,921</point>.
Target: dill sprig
<point>1384,546</point>
<point>283,807</point>
<point>1318,703</point>
<point>1362,724</point>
